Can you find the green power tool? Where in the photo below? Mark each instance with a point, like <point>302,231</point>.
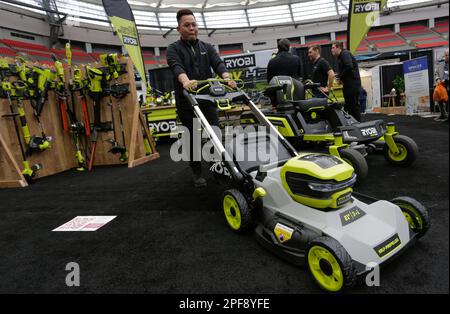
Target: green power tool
<point>16,90</point>
<point>111,62</point>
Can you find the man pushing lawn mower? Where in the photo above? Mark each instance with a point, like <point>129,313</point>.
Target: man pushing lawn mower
<point>301,205</point>
<point>190,60</point>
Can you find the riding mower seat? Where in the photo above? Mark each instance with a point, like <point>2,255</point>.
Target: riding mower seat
<point>311,104</point>
<point>283,89</point>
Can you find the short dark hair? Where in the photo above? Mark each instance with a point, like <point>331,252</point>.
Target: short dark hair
<point>284,44</point>
<point>183,12</point>
<point>316,48</point>
<point>338,44</point>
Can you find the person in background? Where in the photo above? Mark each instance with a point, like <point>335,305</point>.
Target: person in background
<point>349,76</point>
<point>443,75</point>
<point>190,60</point>
<point>362,100</point>
<point>440,96</point>
<point>284,63</point>
<point>322,72</point>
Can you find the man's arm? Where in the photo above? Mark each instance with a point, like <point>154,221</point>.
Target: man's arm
<point>326,68</point>
<point>331,76</point>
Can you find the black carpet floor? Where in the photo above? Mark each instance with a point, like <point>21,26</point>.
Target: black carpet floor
<point>171,238</point>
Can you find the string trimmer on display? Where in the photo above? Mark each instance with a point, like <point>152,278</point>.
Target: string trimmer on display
<point>71,124</point>
<point>97,79</point>
<point>118,91</point>
<point>16,90</point>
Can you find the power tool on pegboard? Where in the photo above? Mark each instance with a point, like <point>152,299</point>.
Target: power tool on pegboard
<point>61,93</point>
<point>6,69</point>
<point>111,63</point>
<point>17,91</point>
<point>22,89</point>
<point>97,80</point>
<point>22,71</point>
<point>118,91</point>
<point>68,116</point>
<point>78,84</point>
<point>42,81</point>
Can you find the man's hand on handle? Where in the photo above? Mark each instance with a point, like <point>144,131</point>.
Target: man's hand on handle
<point>324,89</point>
<point>190,85</point>
<point>231,83</point>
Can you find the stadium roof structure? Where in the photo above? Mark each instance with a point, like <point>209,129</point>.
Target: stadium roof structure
<point>159,15</point>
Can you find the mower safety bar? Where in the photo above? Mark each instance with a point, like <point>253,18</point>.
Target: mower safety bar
<point>234,171</point>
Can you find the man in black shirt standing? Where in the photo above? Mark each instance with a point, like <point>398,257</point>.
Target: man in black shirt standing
<point>322,72</point>
<point>349,76</point>
<point>284,63</point>
<point>190,60</point>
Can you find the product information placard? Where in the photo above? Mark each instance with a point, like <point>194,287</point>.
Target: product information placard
<point>416,85</point>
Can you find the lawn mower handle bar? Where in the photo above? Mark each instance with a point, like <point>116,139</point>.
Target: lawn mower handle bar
<point>234,171</point>
<point>259,115</point>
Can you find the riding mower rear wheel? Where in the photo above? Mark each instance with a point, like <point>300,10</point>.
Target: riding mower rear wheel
<point>357,161</point>
<point>407,151</point>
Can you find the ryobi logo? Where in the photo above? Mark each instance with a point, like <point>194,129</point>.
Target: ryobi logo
<point>130,41</point>
<point>219,168</point>
<point>369,132</point>
<point>368,7</point>
<point>163,126</point>
<point>240,62</point>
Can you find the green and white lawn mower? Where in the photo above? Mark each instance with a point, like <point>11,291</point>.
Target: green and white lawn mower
<point>302,205</point>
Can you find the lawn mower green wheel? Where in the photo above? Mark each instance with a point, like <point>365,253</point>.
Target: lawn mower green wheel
<point>415,213</point>
<point>237,211</point>
<point>330,265</point>
<point>357,161</point>
<point>408,151</point>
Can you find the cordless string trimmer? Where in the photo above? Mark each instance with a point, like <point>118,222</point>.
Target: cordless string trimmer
<point>16,90</point>
<point>72,124</point>
<point>118,91</point>
<point>97,79</point>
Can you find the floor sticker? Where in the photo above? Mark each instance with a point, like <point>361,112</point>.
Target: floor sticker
<point>85,223</point>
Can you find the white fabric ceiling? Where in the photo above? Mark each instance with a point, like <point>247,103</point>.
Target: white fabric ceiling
<point>199,4</point>
<point>211,14</point>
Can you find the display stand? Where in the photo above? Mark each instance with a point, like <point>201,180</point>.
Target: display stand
<point>61,156</point>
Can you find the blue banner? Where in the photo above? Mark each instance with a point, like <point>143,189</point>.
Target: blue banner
<point>415,65</point>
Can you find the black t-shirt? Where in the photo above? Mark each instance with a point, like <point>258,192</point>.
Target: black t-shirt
<point>320,72</point>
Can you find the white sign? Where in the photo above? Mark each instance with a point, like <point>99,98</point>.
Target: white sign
<point>417,88</point>
<point>85,223</point>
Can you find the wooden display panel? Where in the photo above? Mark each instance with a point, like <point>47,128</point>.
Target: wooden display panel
<point>132,126</point>
<point>61,156</point>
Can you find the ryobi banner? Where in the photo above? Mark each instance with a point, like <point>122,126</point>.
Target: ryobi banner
<point>361,16</point>
<point>122,19</point>
<point>251,68</point>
